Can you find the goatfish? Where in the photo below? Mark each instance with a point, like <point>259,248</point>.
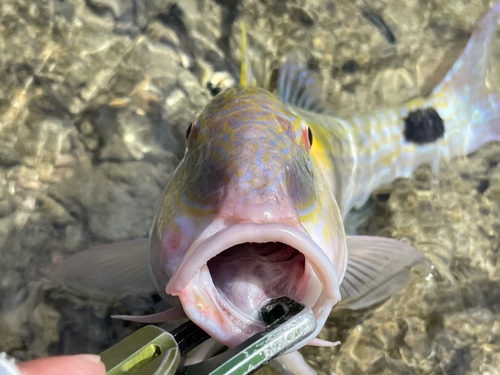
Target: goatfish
<point>255,208</point>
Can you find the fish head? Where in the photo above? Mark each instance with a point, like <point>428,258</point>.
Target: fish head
<point>247,218</point>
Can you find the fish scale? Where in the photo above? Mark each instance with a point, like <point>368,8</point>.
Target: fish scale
<point>370,151</point>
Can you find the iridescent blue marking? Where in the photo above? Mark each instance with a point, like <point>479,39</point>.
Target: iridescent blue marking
<point>248,176</point>
<point>222,152</point>
<point>285,151</point>
<point>258,160</point>
<point>235,123</point>
<point>253,122</point>
<point>190,203</point>
<point>275,134</point>
<point>311,208</point>
<point>227,111</point>
<point>270,189</point>
<point>282,177</point>
<point>261,165</point>
<point>279,114</point>
<point>184,223</point>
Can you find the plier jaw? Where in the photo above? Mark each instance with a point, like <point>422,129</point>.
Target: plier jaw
<point>153,351</point>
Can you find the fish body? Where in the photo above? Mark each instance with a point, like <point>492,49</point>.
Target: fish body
<point>255,209</point>
<point>253,174</point>
<point>370,150</point>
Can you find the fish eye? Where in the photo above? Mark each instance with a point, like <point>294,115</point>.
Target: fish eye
<point>188,130</point>
<point>310,136</point>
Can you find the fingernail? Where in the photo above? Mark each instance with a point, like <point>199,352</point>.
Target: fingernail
<point>90,357</point>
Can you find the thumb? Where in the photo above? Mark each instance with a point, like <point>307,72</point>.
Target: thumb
<point>83,364</point>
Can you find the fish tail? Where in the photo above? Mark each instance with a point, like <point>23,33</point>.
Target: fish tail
<point>468,99</point>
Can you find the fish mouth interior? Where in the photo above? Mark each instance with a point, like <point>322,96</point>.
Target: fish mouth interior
<point>249,274</point>
<point>226,277</point>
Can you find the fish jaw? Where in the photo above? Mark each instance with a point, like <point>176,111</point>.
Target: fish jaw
<point>228,309</point>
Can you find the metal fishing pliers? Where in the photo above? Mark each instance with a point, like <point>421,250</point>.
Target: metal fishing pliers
<point>154,351</point>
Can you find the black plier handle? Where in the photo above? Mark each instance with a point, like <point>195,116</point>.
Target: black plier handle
<point>153,351</point>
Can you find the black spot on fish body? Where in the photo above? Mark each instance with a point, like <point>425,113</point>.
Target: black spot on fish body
<point>423,126</point>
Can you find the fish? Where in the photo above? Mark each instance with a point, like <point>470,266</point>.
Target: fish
<point>255,208</point>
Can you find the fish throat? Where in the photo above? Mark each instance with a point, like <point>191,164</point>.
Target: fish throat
<point>247,275</point>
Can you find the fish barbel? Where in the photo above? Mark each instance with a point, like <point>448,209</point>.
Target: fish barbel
<point>255,209</point>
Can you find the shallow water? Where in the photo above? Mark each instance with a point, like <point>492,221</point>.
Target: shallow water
<point>94,101</point>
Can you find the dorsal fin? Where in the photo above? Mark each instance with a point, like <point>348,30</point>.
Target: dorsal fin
<point>246,78</point>
<point>299,86</point>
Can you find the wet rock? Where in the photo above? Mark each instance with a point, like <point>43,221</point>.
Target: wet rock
<point>133,187</point>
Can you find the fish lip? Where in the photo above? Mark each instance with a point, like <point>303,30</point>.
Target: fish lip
<point>193,268</point>
<point>201,252</point>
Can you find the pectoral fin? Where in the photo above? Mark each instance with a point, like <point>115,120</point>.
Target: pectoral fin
<point>292,364</point>
<point>175,313</point>
<point>110,270</point>
<point>323,343</point>
<point>376,268</point>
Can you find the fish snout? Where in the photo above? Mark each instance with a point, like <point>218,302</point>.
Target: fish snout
<point>262,205</point>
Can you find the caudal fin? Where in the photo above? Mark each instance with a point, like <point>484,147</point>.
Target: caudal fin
<point>469,94</point>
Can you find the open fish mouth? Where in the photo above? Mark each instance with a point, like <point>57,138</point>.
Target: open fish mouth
<point>249,274</point>
<point>226,277</point>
